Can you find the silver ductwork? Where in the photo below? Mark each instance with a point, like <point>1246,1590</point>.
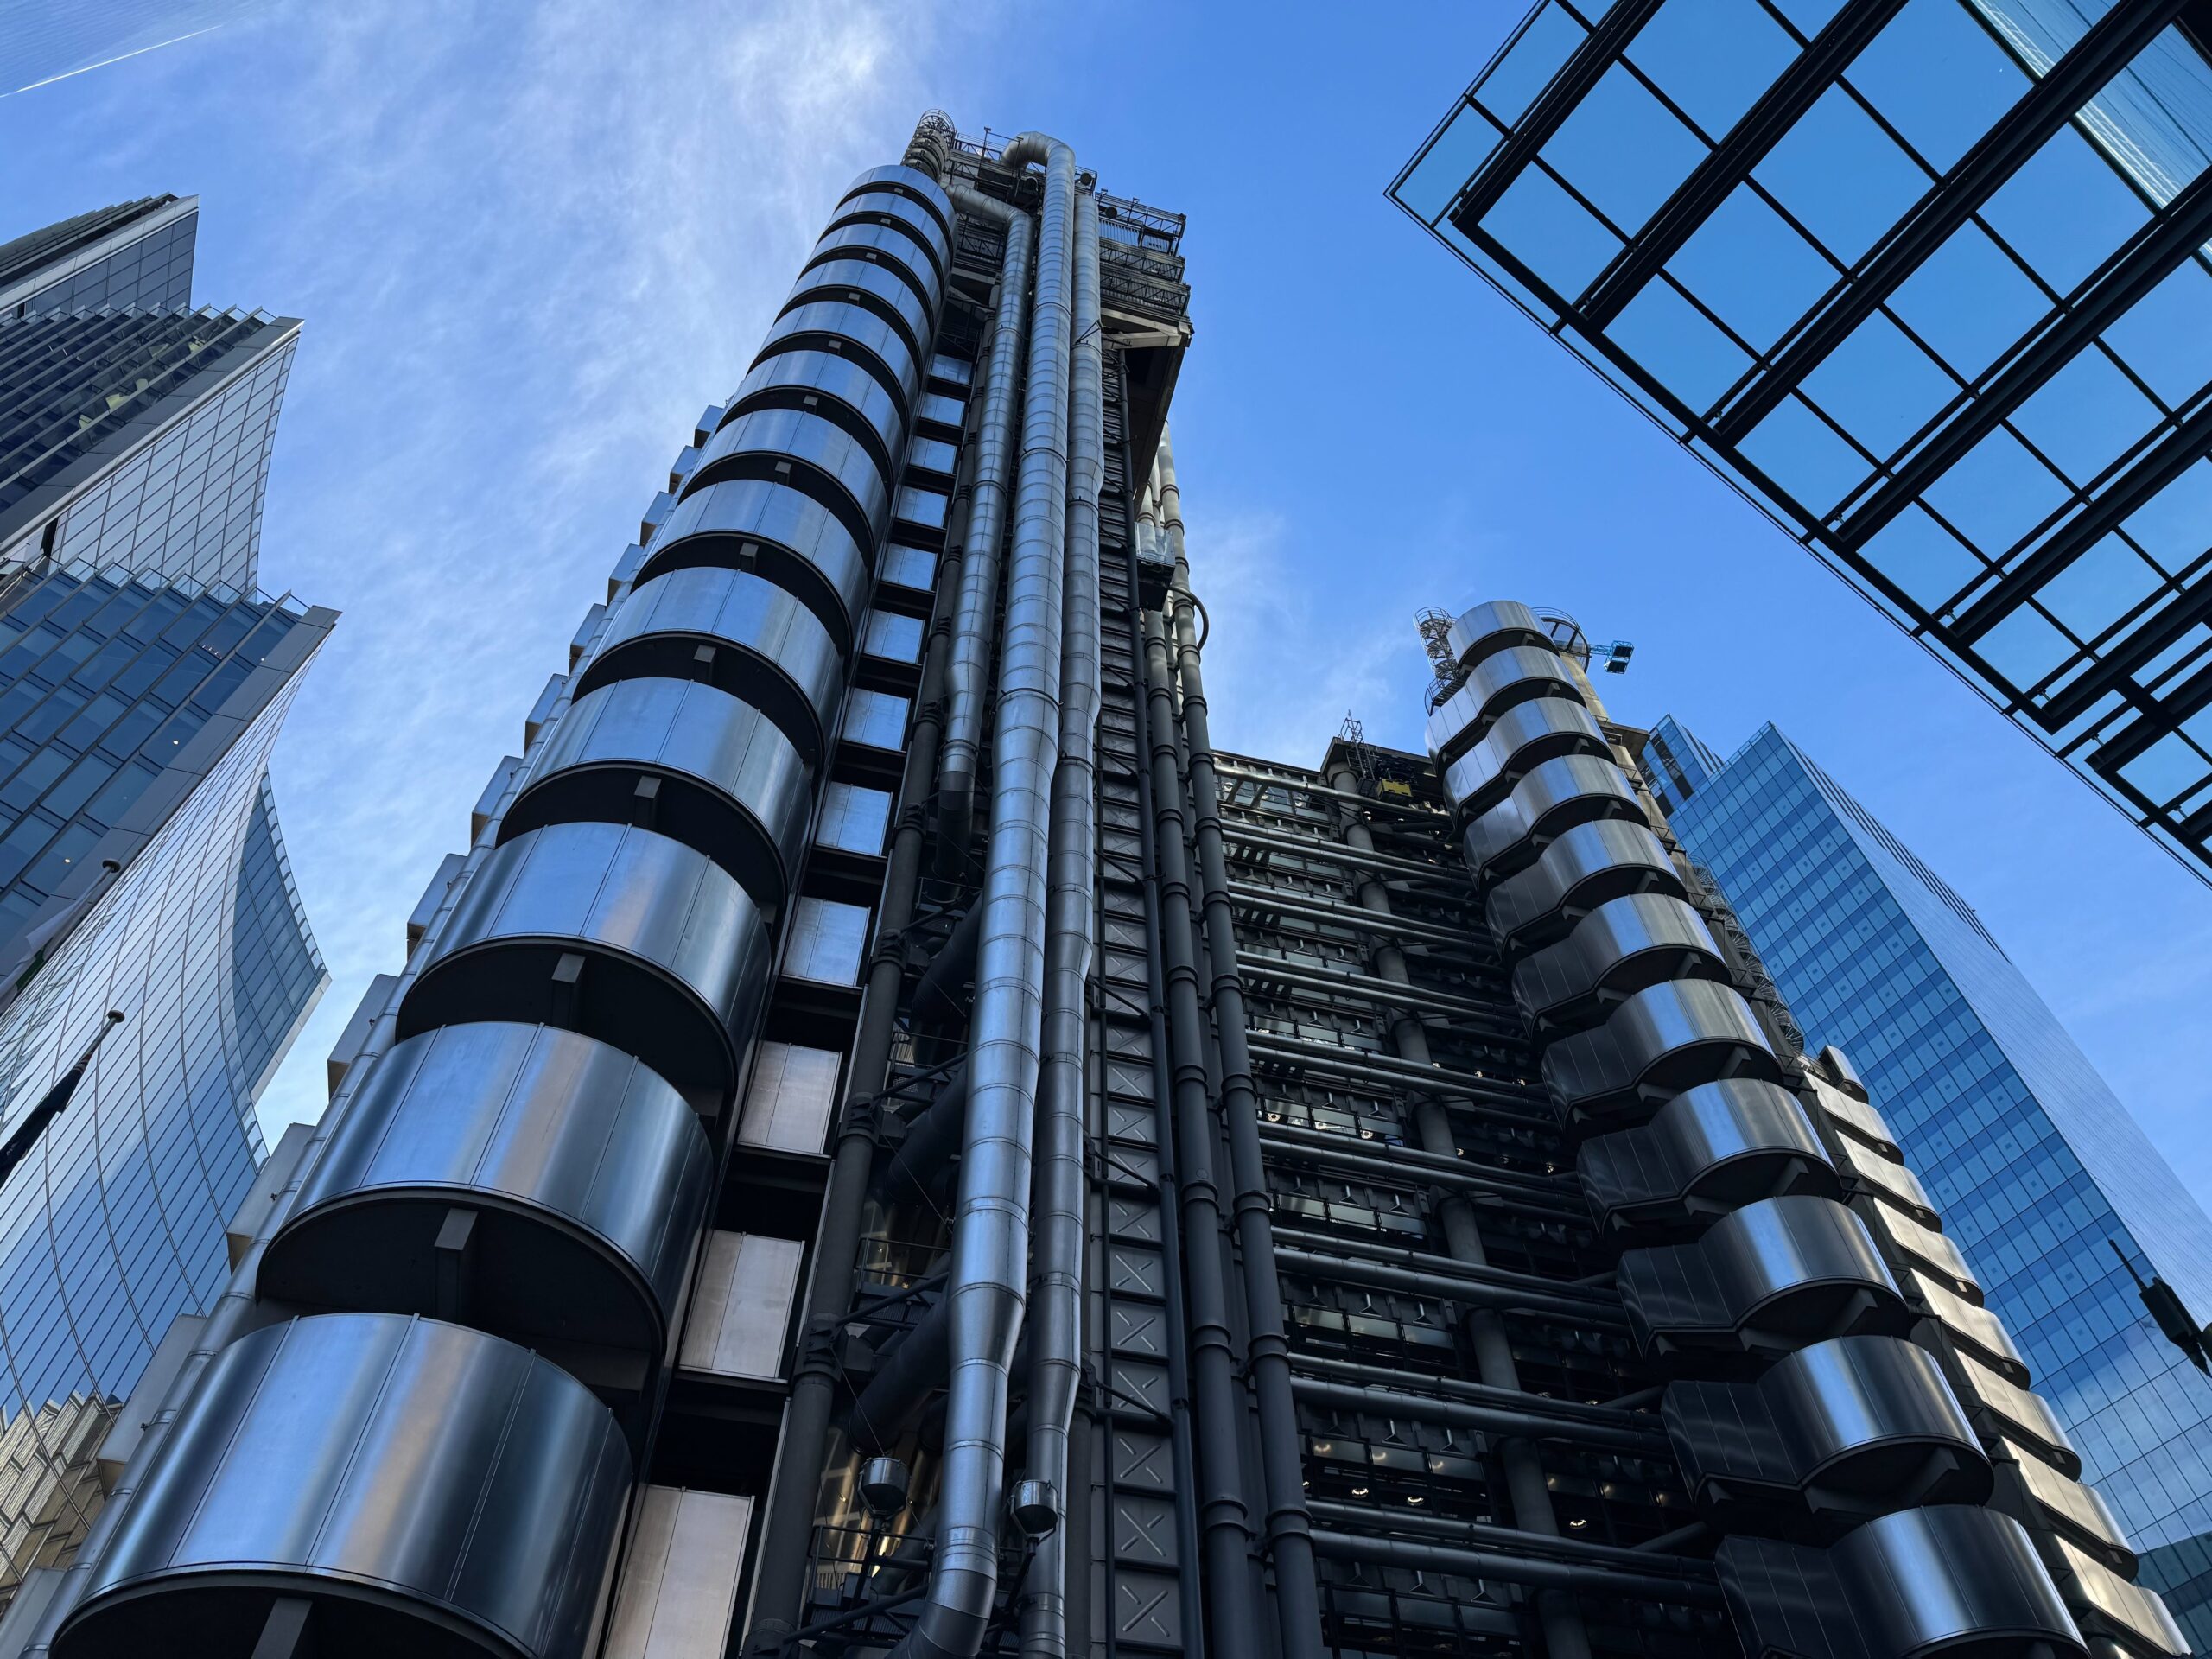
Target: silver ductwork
<point>1056,1334</point>
<point>971,676</point>
<point>990,1229</point>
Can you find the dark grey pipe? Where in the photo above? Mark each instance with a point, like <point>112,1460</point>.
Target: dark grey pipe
<point>1472,1292</point>
<point>1674,1571</point>
<point>1191,1580</point>
<point>1227,1540</point>
<point>1586,1579</point>
<point>1490,1419</point>
<point>941,995</point>
<point>1614,1415</point>
<point>1599,1299</point>
<point>917,1170</point>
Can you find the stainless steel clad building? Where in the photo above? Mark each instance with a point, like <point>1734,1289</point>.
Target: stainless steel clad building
<point>885,1142</point>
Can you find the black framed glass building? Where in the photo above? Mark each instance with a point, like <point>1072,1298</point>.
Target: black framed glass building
<point>1925,280</point>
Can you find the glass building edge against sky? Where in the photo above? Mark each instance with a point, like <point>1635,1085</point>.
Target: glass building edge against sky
<point>2105,741</point>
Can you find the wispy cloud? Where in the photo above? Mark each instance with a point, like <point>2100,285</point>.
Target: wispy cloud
<point>538,243</point>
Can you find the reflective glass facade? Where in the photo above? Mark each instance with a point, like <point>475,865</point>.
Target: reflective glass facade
<point>114,1223</point>
<point>1927,281</point>
<point>2036,1167</point>
<point>136,254</point>
<point>104,681</point>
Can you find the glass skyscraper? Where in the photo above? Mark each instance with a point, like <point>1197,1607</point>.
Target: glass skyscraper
<point>2038,1169</point>
<point>155,964</point>
<point>1926,280</point>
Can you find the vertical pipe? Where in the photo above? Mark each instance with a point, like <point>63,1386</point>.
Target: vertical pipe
<point>1056,1336</point>
<point>985,1292</point>
<point>979,568</point>
<point>1289,1531</point>
<point>1565,1637</point>
<point>1225,1524</point>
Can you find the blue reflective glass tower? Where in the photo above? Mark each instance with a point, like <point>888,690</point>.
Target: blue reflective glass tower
<point>155,964</point>
<point>2037,1167</point>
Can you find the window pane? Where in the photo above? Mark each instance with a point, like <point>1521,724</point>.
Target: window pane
<point>1938,78</point>
<point>1878,386</point>
<point>1544,44</point>
<point>2085,414</point>
<point>1622,151</point>
<point>1758,275</point>
<point>1970,301</point>
<point>1922,558</point>
<point>2024,647</point>
<point>2065,211</point>
<point>1691,358</point>
<point>1796,449</point>
<point>1713,57</point>
<point>2166,336</point>
<point>2175,525</point>
<point>1548,230</point>
<point>1997,494</point>
<point>2099,588</point>
<point>1450,160</point>
<point>1840,175</point>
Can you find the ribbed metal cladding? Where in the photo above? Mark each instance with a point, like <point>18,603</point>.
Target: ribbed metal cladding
<point>1810,1434</point>
<point>523,1145</point>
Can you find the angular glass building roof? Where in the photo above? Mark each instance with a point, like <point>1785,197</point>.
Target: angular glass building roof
<point>1927,281</point>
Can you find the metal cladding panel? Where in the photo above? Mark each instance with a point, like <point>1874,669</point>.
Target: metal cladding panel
<point>589,1175</point>
<point>677,953</point>
<point>1952,1579</point>
<point>790,1098</point>
<point>1775,1245</point>
<point>883,244</point>
<point>839,326</point>
<point>1856,1118</point>
<point>770,526</point>
<point>908,181</point>
<point>1525,735</point>
<point>1515,675</point>
<point>1487,629</point>
<point>1976,1329</point>
<point>1922,1577</point>
<point>1621,947</point>
<point>424,1475</point>
<point>769,649</point>
<point>731,784</point>
<point>1555,797</point>
<point>2098,1597</point>
<point>1835,1398</point>
<point>929,222</point>
<point>1582,869</point>
<point>859,401</point>
<point>1667,1037</point>
<point>739,1323</point>
<point>812,452</point>
<point>852,279</point>
<point>2028,1419</point>
<point>678,1589</point>
<point>1927,1248</point>
<point>1736,1138</point>
<point>1891,1180</point>
<point>2080,1511</point>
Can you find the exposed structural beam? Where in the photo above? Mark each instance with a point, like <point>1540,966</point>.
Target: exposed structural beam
<point>2108,46</point>
<point>1382,1378</point>
<point>2155,252</point>
<point>1336,852</point>
<point>1489,1094</point>
<point>1535,1545</point>
<point>1381,1251</point>
<point>1366,987</point>
<point>1323,793</point>
<point>1390,1164</point>
<point>1312,908</point>
<point>1583,1577</point>
<point>1334,1268</point>
<point>1730,161</point>
<point>1585,67</point>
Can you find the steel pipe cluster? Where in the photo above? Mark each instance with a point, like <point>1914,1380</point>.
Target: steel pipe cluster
<point>526,1152</point>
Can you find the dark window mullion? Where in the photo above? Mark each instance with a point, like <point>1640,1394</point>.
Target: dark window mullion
<point>2107,48</point>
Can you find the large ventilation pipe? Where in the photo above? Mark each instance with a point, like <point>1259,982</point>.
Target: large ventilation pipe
<point>1056,1329</point>
<point>990,1227</point>
<point>979,563</point>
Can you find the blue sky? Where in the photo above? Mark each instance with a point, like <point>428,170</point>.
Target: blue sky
<point>531,242</point>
